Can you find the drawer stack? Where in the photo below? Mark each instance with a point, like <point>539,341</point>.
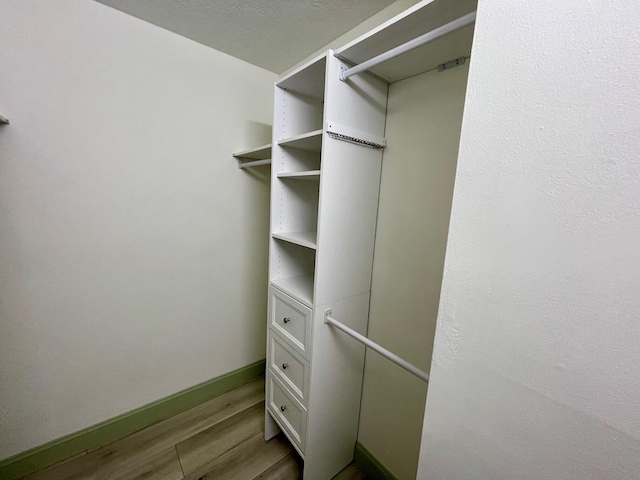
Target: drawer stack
<point>288,345</point>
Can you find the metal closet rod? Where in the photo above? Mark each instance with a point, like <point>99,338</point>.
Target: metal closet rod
<point>434,34</point>
<point>254,163</point>
<point>422,375</point>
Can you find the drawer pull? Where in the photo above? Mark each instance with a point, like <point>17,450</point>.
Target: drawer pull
<point>286,319</point>
<point>283,408</point>
<point>285,365</point>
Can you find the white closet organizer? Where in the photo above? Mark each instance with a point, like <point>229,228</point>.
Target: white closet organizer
<point>323,215</point>
<point>326,163</point>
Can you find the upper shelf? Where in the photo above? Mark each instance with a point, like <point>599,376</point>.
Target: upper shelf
<point>311,141</point>
<point>307,80</point>
<point>421,18</point>
<point>259,153</point>
<point>4,120</point>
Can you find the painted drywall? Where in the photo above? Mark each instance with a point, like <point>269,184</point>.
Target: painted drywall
<point>536,364</point>
<point>424,115</point>
<point>133,252</point>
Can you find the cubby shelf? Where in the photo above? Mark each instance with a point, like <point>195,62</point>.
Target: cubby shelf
<point>304,239</point>
<point>300,288</point>
<point>307,274</point>
<point>311,141</point>
<point>311,175</point>
<point>307,80</point>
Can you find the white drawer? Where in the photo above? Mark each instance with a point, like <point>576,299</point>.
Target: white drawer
<point>289,366</point>
<point>288,412</point>
<point>291,319</point>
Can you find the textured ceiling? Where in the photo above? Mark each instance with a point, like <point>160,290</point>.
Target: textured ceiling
<point>273,34</point>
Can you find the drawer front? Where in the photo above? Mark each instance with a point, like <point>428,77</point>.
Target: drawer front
<point>289,366</point>
<point>292,320</point>
<point>287,411</point>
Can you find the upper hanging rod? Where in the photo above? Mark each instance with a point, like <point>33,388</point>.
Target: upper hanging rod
<point>457,24</point>
<point>374,346</point>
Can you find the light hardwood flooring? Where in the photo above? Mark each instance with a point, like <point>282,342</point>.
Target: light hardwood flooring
<point>221,439</point>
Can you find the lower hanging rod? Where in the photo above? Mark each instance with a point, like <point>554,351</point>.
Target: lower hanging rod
<point>254,163</point>
<point>422,375</point>
<point>434,34</point>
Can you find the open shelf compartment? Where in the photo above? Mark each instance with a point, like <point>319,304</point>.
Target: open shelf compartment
<point>300,288</point>
<point>304,239</point>
<point>310,141</point>
<point>307,80</point>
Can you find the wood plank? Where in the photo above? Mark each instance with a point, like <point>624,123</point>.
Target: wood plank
<point>209,444</point>
<point>54,466</point>
<point>289,468</point>
<point>114,458</point>
<point>247,460</point>
<point>162,466</point>
<point>350,473</point>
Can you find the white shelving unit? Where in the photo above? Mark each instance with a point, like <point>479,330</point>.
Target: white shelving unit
<point>325,175</point>
<point>324,196</point>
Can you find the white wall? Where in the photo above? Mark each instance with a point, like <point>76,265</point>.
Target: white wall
<point>424,116</point>
<point>536,365</point>
<point>133,252</point>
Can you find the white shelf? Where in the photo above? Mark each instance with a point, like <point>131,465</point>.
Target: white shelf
<point>304,239</point>
<point>4,120</point>
<point>259,153</point>
<point>300,288</point>
<point>311,141</point>
<point>311,175</point>
<point>307,80</point>
<point>422,18</point>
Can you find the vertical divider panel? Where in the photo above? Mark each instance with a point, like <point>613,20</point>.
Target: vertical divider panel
<point>349,186</point>
<point>348,204</point>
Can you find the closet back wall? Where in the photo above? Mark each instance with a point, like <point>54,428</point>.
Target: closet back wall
<point>424,115</point>
<point>133,252</point>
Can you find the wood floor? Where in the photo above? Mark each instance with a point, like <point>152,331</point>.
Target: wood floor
<point>221,439</point>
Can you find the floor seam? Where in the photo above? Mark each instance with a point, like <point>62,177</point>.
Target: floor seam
<point>179,461</point>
